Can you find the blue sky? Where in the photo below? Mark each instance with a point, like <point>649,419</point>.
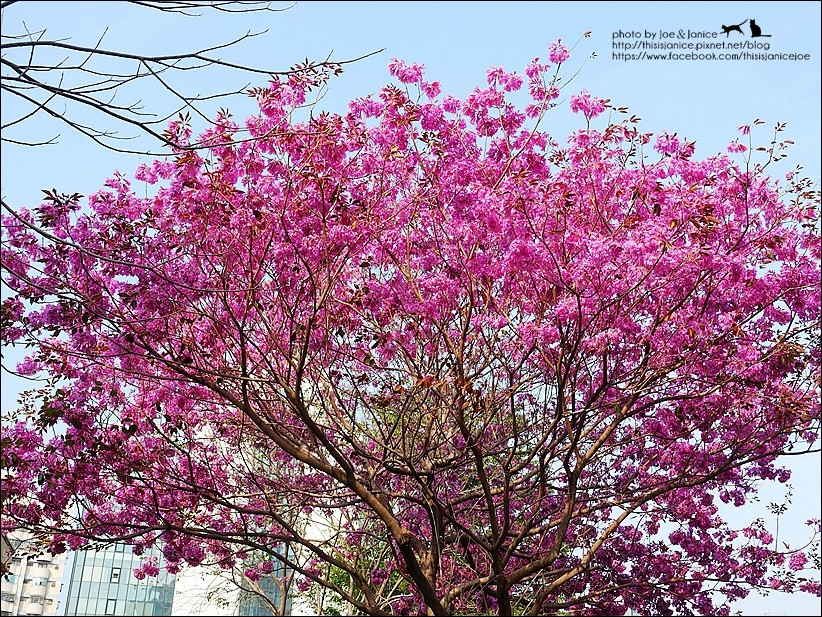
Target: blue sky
<point>703,100</point>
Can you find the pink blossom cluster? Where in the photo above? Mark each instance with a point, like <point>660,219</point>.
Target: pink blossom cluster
<point>590,106</point>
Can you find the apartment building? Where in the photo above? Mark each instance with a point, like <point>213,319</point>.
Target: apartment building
<point>32,584</point>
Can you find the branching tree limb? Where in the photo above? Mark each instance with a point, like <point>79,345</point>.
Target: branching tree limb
<point>97,77</point>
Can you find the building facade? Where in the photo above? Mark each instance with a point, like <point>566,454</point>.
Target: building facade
<point>252,604</point>
<point>102,582</point>
<point>32,584</point>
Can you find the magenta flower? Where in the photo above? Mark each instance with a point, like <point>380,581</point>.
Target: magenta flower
<point>590,106</point>
<point>406,73</point>
<point>557,52</point>
<point>798,560</point>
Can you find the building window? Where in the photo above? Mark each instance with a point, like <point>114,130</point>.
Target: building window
<point>36,600</point>
<point>49,601</point>
<point>40,581</point>
<point>111,606</point>
<point>7,597</point>
<point>115,575</point>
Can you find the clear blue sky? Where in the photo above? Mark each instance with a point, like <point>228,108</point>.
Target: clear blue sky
<point>704,100</point>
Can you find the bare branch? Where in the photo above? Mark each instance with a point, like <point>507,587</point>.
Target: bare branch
<point>222,6</point>
<point>126,69</point>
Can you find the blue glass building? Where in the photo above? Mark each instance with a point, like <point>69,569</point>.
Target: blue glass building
<point>102,583</point>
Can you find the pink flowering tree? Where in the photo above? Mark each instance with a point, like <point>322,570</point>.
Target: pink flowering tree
<point>425,356</point>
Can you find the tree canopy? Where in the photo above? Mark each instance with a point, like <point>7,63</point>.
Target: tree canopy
<point>428,357</point>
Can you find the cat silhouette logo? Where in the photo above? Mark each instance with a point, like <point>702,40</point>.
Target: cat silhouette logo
<point>756,30</point>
